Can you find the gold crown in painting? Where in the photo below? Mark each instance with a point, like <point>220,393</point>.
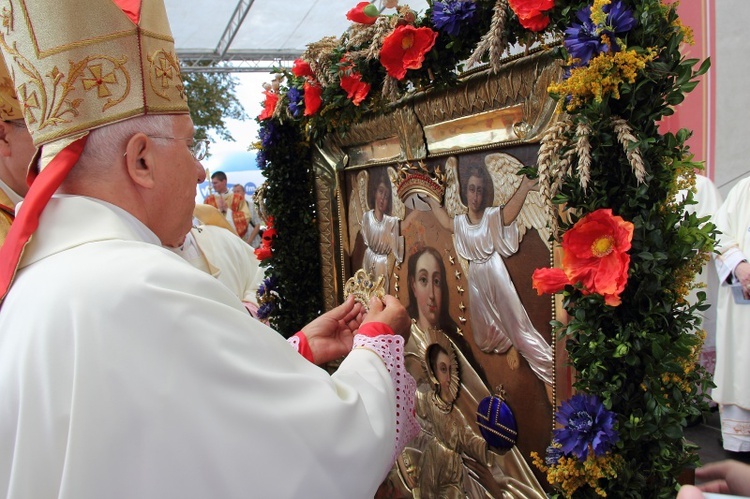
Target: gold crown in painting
<point>363,286</point>
<point>9,107</point>
<point>418,179</point>
<point>98,62</point>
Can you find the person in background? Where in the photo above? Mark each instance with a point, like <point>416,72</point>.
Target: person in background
<point>208,215</point>
<point>707,202</point>
<point>222,254</point>
<point>252,235</point>
<point>125,371</point>
<point>16,150</point>
<point>233,206</point>
<point>732,391</point>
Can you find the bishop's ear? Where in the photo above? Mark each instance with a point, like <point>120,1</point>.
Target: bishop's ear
<point>139,160</point>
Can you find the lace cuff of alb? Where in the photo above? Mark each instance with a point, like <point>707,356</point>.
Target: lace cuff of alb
<point>390,348</point>
<point>299,343</point>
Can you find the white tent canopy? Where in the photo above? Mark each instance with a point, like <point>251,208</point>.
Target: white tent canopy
<point>256,34</point>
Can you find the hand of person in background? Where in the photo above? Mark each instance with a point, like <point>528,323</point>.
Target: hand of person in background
<point>742,272</point>
<point>724,477</point>
<point>391,312</point>
<point>331,335</point>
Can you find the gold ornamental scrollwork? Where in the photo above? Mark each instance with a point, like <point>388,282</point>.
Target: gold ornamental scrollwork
<point>164,69</point>
<point>57,105</point>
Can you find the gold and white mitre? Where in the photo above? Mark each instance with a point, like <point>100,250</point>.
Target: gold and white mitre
<point>10,109</point>
<point>81,64</point>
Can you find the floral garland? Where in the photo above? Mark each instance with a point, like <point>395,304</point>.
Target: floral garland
<point>610,178</point>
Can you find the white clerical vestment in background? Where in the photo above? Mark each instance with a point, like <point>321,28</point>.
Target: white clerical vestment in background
<point>127,373</point>
<point>732,338</point>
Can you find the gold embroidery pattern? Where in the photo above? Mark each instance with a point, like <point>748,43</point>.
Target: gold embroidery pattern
<point>164,74</point>
<point>6,14</point>
<point>8,102</point>
<point>58,104</point>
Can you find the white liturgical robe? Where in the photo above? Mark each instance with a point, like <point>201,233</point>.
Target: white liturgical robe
<point>732,338</point>
<point>127,373</point>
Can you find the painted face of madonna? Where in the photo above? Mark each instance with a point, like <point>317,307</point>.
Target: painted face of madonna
<point>426,286</point>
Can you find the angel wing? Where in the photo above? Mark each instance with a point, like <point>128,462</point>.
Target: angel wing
<point>453,204</point>
<point>357,207</point>
<point>503,169</point>
<point>397,206</point>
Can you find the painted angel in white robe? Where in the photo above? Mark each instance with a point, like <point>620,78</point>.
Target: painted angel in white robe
<point>483,235</point>
<point>377,213</point>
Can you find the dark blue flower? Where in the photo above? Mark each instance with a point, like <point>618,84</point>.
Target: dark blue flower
<point>260,159</point>
<point>449,15</point>
<point>296,101</point>
<point>267,133</point>
<point>265,310</point>
<point>583,39</point>
<point>620,19</point>
<point>586,423</point>
<point>553,455</point>
<point>267,285</point>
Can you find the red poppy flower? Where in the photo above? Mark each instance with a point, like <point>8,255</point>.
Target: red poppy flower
<point>549,280</point>
<point>268,236</point>
<point>302,68</point>
<point>313,91</point>
<point>356,90</point>
<point>351,82</point>
<point>594,256</point>
<point>269,105</point>
<point>363,13</point>
<point>531,13</point>
<point>263,253</point>
<point>405,48</point>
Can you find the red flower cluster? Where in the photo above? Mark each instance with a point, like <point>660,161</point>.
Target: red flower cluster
<point>264,251</point>
<point>311,88</point>
<point>313,91</point>
<point>302,68</point>
<point>531,13</point>
<point>272,98</point>
<point>363,13</point>
<point>405,48</point>
<point>594,256</point>
<point>351,82</point>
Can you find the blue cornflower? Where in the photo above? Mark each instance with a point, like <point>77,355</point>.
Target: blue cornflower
<point>583,39</point>
<point>296,101</point>
<point>449,15</point>
<point>553,455</point>
<point>265,310</point>
<point>620,19</point>
<point>266,133</point>
<point>267,285</point>
<point>586,423</point>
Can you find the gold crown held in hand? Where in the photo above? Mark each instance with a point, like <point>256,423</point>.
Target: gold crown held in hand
<point>363,287</point>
